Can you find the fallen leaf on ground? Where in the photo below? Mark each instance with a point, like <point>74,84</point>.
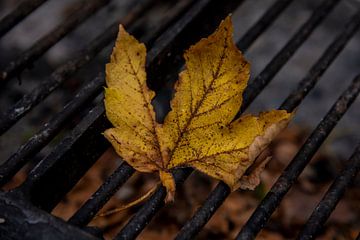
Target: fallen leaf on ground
<point>199,131</point>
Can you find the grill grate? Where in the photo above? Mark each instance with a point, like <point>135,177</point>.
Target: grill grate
<point>332,196</point>
<point>16,161</point>
<point>222,191</point>
<point>22,11</point>
<point>62,73</point>
<point>56,174</point>
<point>78,15</point>
<point>288,177</point>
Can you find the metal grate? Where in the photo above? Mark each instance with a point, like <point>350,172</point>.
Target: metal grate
<point>25,208</point>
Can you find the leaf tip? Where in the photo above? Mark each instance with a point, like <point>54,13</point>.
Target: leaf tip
<point>228,18</point>
<point>227,24</point>
<point>121,28</point>
<point>123,34</point>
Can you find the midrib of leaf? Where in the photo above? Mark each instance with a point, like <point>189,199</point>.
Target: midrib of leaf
<point>198,105</point>
<point>157,143</point>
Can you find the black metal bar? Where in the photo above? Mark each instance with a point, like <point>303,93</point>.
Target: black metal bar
<point>329,55</point>
<point>55,175</point>
<point>331,198</point>
<point>219,194</point>
<point>302,158</point>
<point>21,220</point>
<point>265,21</point>
<point>205,212</point>
<point>64,157</point>
<point>83,11</point>
<point>16,161</point>
<point>278,62</point>
<point>150,208</point>
<point>10,116</point>
<point>20,12</point>
<point>84,215</point>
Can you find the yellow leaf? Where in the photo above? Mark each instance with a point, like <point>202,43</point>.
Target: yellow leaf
<point>199,131</point>
<point>128,106</point>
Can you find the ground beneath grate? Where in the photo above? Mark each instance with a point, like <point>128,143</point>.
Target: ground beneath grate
<point>225,224</point>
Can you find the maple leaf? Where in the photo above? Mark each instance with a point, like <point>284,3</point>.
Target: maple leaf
<point>199,131</point>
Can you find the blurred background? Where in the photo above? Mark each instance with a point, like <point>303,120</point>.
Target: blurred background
<point>299,203</point>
